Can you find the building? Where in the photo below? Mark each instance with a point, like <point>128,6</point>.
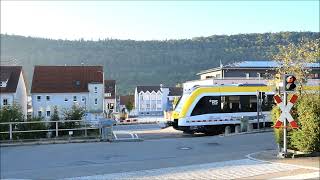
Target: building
<point>247,72</point>
<point>13,87</point>
<point>154,100</point>
<point>65,86</point>
<point>110,96</point>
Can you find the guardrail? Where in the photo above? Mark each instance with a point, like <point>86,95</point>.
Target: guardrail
<point>84,127</point>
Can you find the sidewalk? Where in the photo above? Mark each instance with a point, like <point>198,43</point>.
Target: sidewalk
<point>306,167</point>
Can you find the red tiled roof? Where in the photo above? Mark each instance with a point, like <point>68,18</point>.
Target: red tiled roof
<point>12,74</point>
<point>65,79</point>
<point>110,87</point>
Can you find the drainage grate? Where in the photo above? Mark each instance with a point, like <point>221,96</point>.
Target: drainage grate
<point>213,144</point>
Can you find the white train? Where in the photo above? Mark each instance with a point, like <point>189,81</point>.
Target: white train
<point>209,109</point>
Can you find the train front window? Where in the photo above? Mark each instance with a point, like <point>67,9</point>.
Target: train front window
<point>181,102</point>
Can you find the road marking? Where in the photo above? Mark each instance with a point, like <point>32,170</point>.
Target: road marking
<point>313,175</point>
<point>234,169</point>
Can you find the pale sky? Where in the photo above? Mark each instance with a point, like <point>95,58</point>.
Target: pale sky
<point>155,20</point>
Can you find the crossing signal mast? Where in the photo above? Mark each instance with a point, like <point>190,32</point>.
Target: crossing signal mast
<point>289,86</point>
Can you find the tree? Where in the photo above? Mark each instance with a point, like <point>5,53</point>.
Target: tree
<point>10,114</point>
<point>129,106</point>
<point>294,57</point>
<point>54,117</point>
<point>75,113</point>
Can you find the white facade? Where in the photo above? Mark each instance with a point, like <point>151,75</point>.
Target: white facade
<point>92,101</point>
<point>149,103</point>
<point>19,97</point>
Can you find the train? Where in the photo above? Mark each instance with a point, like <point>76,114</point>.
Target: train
<point>209,109</point>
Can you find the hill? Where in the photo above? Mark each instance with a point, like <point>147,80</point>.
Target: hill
<point>133,63</point>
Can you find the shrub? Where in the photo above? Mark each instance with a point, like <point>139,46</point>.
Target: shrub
<point>32,126</point>
<point>307,138</point>
<point>9,114</point>
<point>278,133</point>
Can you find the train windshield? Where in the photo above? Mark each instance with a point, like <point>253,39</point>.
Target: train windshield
<point>181,102</point>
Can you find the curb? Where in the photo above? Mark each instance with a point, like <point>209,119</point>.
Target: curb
<point>49,142</point>
<point>242,133</point>
<point>249,156</point>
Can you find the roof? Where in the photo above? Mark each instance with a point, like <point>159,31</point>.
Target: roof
<point>65,79</point>
<point>254,64</point>
<point>175,91</point>
<point>12,74</point>
<point>110,87</point>
<point>148,88</point>
<point>125,99</point>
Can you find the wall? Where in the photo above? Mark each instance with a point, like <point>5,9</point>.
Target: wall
<point>56,99</point>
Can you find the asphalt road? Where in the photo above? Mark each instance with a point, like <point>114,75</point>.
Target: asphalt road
<point>85,159</point>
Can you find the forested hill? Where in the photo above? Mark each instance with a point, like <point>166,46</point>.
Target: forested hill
<point>133,63</point>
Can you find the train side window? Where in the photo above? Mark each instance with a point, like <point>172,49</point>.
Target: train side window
<point>207,105</point>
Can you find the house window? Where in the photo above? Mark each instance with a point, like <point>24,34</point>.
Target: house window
<point>39,113</point>
<point>38,98</point>
<point>95,101</point>
<point>48,98</point>
<point>75,98</point>
<point>95,89</point>
<point>5,102</point>
<point>48,113</point>
<point>77,83</point>
<point>83,98</point>
<point>0,83</point>
<point>66,99</point>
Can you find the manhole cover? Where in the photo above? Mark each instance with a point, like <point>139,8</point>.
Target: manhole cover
<point>213,144</point>
<point>184,148</point>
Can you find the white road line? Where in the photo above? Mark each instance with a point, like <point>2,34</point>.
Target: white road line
<point>234,169</point>
<point>302,176</point>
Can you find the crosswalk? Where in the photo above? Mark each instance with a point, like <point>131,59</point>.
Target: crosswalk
<point>235,169</point>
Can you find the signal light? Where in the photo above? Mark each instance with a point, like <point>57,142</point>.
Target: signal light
<point>289,84</point>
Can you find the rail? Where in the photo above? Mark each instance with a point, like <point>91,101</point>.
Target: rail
<point>13,125</point>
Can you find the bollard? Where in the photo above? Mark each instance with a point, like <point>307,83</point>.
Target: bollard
<point>10,131</point>
<point>244,123</point>
<point>57,129</point>
<point>227,130</point>
<point>249,127</point>
<point>237,129</point>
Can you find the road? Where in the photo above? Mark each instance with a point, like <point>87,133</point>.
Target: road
<point>88,159</point>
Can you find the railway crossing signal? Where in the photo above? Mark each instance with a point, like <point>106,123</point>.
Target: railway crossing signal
<point>285,111</point>
<point>289,83</point>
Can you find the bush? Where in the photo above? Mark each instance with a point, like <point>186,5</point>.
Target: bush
<point>278,133</point>
<point>307,138</point>
<point>307,114</point>
<point>32,126</point>
<point>9,114</point>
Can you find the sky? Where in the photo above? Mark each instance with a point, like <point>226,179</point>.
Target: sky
<point>155,20</point>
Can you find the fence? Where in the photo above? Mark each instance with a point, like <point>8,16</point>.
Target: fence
<point>79,125</point>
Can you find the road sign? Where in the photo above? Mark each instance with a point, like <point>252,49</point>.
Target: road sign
<point>285,111</point>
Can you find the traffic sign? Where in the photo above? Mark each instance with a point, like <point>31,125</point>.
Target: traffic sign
<point>285,111</point>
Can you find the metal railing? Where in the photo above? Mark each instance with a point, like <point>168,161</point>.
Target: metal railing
<point>84,126</point>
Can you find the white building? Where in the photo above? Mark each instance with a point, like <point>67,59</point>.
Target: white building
<point>13,87</point>
<point>65,86</point>
<point>110,96</point>
<point>154,100</point>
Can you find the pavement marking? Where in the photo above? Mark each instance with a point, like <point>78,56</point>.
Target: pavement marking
<point>249,156</point>
<point>301,176</point>
<point>234,169</point>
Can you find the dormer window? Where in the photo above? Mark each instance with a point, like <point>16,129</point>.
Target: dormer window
<point>3,83</point>
<point>108,94</point>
